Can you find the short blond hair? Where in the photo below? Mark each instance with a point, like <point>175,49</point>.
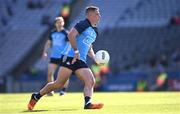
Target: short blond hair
<point>91,8</point>
<point>59,18</point>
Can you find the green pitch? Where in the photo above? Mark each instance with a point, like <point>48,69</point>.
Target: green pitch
<point>114,103</point>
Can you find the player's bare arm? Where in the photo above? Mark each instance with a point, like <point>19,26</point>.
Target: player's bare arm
<point>46,48</point>
<point>91,53</point>
<point>72,39</point>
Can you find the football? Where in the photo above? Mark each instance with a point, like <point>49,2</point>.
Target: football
<point>102,57</point>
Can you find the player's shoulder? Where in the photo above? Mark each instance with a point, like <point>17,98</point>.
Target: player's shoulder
<point>82,25</point>
<point>53,31</point>
<point>65,31</point>
<point>84,22</point>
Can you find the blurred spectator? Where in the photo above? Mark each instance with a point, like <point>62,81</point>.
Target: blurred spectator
<point>175,20</point>
<point>100,72</point>
<point>161,82</point>
<point>141,85</point>
<point>32,4</point>
<point>174,85</point>
<point>65,13</point>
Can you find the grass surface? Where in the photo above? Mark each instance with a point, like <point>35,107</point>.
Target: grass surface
<point>115,103</point>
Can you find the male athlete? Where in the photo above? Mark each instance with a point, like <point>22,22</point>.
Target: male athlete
<point>81,38</point>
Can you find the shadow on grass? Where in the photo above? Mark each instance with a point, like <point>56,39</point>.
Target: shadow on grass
<point>48,110</point>
<point>34,111</point>
<point>68,109</point>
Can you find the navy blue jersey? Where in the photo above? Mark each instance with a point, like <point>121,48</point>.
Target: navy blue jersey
<point>59,41</point>
<point>87,35</point>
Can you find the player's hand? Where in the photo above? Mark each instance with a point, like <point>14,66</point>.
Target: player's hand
<point>76,56</point>
<point>99,64</point>
<point>95,60</point>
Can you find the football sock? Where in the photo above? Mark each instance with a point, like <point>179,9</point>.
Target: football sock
<point>87,100</point>
<point>37,96</point>
<point>63,89</point>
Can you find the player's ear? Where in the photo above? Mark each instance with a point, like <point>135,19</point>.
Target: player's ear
<point>89,14</point>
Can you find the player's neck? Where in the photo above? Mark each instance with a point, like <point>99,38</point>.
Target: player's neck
<point>93,24</point>
<point>59,29</point>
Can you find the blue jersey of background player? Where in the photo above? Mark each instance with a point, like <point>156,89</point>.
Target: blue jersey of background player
<point>87,35</point>
<point>58,42</point>
<point>55,45</point>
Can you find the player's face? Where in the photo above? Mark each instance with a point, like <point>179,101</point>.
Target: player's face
<point>96,16</point>
<point>59,24</point>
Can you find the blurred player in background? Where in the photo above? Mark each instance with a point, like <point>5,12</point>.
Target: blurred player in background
<point>55,44</point>
<point>81,38</point>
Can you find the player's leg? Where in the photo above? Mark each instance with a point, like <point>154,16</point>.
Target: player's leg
<point>50,77</point>
<point>63,75</point>
<point>86,75</point>
<point>63,90</point>
<point>51,70</point>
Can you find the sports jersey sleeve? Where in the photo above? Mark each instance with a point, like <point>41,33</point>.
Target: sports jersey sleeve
<point>65,32</point>
<point>50,38</point>
<point>81,26</point>
<point>50,35</point>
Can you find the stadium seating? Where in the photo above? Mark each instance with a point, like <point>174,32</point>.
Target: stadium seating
<point>128,46</point>
<point>22,31</point>
<point>132,31</point>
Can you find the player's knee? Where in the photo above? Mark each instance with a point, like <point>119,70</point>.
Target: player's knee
<point>90,83</point>
<point>93,82</point>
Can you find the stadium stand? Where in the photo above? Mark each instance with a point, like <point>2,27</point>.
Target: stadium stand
<point>23,31</point>
<point>139,35</point>
<point>136,45</point>
<point>136,33</point>
<point>149,13</point>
